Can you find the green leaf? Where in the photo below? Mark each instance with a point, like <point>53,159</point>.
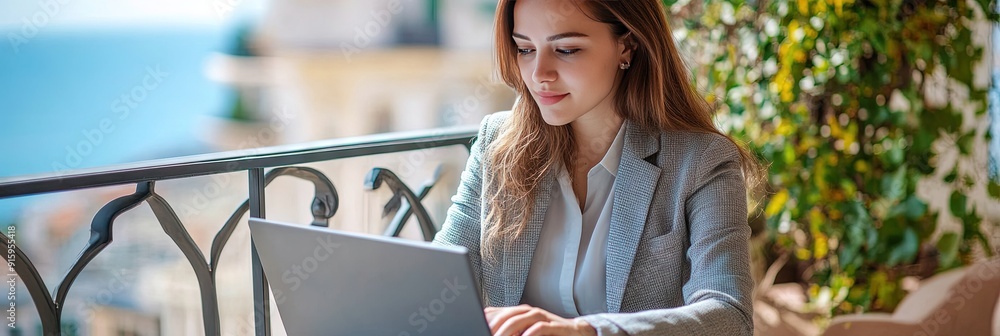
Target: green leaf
<point>894,185</point>
<point>895,155</point>
<point>847,258</point>
<point>965,142</point>
<point>906,250</point>
<point>993,188</point>
<point>912,208</point>
<point>962,69</point>
<point>922,142</point>
<point>957,204</point>
<point>788,153</point>
<point>947,247</point>
<point>872,243</point>
<point>970,224</point>
<point>951,175</point>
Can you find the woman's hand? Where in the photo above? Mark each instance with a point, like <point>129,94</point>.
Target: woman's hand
<point>526,320</point>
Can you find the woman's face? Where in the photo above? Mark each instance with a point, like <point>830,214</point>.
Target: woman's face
<point>568,61</point>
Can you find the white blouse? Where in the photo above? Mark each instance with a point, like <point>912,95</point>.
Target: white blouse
<point>567,275</point>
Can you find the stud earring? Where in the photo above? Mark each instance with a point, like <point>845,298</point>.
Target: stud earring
<point>625,65</point>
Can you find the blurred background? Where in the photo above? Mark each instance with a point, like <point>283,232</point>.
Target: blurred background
<point>91,84</point>
<point>876,120</point>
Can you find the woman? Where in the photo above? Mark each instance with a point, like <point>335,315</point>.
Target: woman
<point>606,202</point>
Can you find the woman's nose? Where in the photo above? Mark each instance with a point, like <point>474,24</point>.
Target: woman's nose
<point>544,68</point>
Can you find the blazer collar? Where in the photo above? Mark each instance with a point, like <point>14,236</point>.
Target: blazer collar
<point>633,187</point>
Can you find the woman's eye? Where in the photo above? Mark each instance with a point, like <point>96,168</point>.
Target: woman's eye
<point>527,51</point>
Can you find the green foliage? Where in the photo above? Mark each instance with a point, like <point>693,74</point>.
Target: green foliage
<point>831,94</point>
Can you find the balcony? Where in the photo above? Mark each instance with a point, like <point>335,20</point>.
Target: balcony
<point>323,179</point>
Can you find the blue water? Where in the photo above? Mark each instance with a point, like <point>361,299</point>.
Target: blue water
<point>57,89</point>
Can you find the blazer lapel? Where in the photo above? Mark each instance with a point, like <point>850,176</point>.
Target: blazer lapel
<point>517,257</point>
<point>633,192</point>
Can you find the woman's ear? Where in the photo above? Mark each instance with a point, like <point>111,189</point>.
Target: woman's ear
<point>626,45</point>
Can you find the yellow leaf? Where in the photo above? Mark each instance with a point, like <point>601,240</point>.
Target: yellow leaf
<point>816,220</point>
<point>787,96</point>
<point>777,203</point>
<point>784,128</point>
<point>802,254</point>
<point>835,130</point>
<point>820,176</point>
<point>803,7</point>
<point>821,248</point>
<point>861,166</point>
<point>799,56</point>
<point>821,7</point>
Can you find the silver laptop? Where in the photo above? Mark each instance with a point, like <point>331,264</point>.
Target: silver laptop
<point>329,282</point>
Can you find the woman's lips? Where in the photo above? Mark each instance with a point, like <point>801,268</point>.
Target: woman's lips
<point>549,99</point>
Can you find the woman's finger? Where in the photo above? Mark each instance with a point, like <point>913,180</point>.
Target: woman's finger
<point>500,316</point>
<point>548,329</point>
<point>516,324</point>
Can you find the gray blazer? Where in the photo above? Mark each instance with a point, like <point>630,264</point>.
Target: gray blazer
<point>678,257</point>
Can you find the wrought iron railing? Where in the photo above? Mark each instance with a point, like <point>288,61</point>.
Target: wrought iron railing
<point>263,166</point>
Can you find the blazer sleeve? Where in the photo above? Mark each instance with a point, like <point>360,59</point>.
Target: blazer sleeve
<point>462,225</point>
<point>718,295</point>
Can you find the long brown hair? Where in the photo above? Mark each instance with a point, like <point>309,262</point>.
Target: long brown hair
<point>655,93</point>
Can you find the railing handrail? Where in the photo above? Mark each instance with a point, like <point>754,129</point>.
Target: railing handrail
<point>238,160</point>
